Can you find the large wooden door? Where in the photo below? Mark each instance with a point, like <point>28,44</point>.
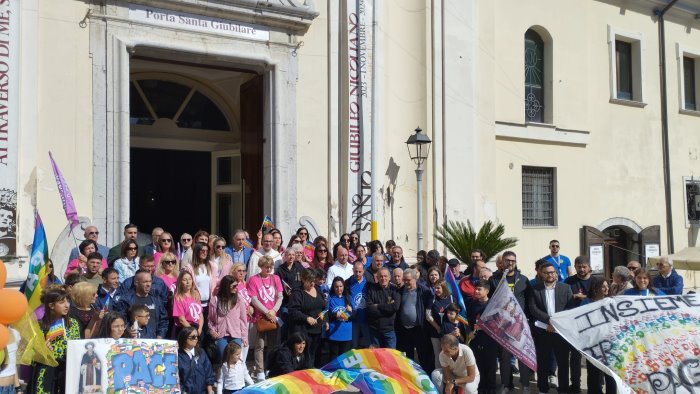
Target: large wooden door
<point>252,110</point>
<point>650,243</point>
<point>595,244</point>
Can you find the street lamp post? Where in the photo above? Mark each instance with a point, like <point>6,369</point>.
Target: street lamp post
<point>418,145</point>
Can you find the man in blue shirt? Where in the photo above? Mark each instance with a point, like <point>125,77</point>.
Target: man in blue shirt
<point>355,285</point>
<point>668,279</point>
<point>560,262</point>
<point>238,252</point>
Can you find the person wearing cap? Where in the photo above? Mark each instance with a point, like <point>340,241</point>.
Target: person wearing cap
<point>454,265</point>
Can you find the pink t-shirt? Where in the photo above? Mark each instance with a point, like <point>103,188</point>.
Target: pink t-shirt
<point>243,295</point>
<point>170,282</point>
<point>265,290</point>
<point>187,307</point>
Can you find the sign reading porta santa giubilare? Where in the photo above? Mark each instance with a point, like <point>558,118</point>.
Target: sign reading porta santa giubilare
<point>9,110</point>
<point>198,23</point>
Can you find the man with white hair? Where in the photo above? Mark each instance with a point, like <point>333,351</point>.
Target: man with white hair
<point>668,279</point>
<point>91,232</point>
<point>410,320</point>
<point>266,250</point>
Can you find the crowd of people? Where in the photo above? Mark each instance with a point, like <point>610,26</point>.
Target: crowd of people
<point>302,304</point>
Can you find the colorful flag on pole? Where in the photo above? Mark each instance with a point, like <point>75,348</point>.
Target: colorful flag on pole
<point>66,196</point>
<point>248,243</point>
<point>36,277</point>
<point>267,223</point>
<point>310,246</point>
<point>456,295</point>
<point>505,322</point>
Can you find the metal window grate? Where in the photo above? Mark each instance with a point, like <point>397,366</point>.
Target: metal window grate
<point>538,196</point>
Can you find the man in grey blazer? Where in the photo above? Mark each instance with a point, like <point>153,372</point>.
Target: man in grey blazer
<point>547,298</point>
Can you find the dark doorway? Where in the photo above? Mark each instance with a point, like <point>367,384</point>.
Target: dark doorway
<point>624,246</point>
<point>252,108</point>
<point>170,189</point>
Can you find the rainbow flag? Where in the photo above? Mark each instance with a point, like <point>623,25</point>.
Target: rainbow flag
<point>308,381</point>
<point>56,330</point>
<point>36,277</point>
<point>309,246</point>
<point>248,243</point>
<point>369,370</point>
<point>267,223</point>
<point>457,295</point>
<point>383,371</point>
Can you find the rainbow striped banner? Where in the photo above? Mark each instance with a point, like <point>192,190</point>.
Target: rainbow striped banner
<point>368,370</point>
<point>36,277</point>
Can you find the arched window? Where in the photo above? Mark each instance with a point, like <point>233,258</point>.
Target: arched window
<point>534,77</point>
<point>186,106</point>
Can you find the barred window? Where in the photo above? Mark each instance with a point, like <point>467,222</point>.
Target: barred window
<point>539,196</point>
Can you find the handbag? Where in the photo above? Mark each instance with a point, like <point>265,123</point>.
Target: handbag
<point>264,325</point>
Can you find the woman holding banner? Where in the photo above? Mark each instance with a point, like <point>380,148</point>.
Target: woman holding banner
<point>599,289</point>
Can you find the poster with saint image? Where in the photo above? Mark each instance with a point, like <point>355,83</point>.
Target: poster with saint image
<point>122,366</point>
<point>648,344</point>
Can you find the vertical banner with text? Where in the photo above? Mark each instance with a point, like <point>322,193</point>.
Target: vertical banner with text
<point>359,71</point>
<point>9,110</point>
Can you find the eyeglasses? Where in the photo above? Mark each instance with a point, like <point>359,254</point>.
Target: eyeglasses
<point>240,270</point>
<point>166,240</point>
<point>169,262</point>
<point>132,249</point>
<point>553,246</point>
<point>550,272</point>
<point>94,233</point>
<point>303,233</point>
<point>354,238</point>
<point>185,239</point>
<point>193,337</point>
<point>345,240</point>
<point>144,316</point>
<point>322,250</point>
<point>509,261</point>
<point>218,246</point>
<point>265,241</point>
<point>204,251</point>
<point>632,267</point>
<point>296,241</point>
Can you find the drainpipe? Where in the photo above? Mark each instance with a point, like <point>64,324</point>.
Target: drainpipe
<point>377,96</point>
<point>664,122</point>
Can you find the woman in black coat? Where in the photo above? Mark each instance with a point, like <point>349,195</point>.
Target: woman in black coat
<point>290,356</point>
<point>305,307</point>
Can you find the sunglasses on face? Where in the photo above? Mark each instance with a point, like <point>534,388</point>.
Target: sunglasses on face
<point>185,239</point>
<point>296,241</point>
<point>193,337</point>
<point>94,233</point>
<point>166,240</point>
<point>219,247</point>
<point>322,250</point>
<point>169,262</point>
<point>204,251</point>
<point>132,249</point>
<point>303,233</point>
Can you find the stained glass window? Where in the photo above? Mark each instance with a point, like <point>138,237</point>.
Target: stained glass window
<point>534,77</point>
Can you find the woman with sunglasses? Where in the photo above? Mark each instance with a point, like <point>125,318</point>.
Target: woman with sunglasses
<point>322,259</point>
<point>193,365</point>
<point>165,244</point>
<point>168,270</point>
<point>202,270</point>
<point>303,234</point>
<point>228,321</point>
<point>238,272</point>
<point>221,262</point>
<point>128,263</point>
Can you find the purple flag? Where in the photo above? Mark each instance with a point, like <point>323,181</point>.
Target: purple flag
<point>66,196</point>
<point>505,322</point>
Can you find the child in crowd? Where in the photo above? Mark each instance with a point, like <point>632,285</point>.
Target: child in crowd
<point>234,374</point>
<point>139,315</point>
<point>450,324</point>
<point>187,308</point>
<point>484,347</point>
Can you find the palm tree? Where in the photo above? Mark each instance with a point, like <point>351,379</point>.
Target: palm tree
<point>461,239</point>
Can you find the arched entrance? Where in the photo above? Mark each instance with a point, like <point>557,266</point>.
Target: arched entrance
<point>192,166</point>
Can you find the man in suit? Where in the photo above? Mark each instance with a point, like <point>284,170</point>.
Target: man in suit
<point>547,298</point>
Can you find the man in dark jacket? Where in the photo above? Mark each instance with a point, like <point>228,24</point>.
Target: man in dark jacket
<point>545,300</point>
<point>668,279</point>
<point>158,287</point>
<point>519,285</point>
<point>383,302</point>
<point>157,327</point>
<point>292,355</point>
<point>410,320</point>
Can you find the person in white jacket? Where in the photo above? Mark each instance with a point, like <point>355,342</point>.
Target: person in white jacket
<point>266,250</point>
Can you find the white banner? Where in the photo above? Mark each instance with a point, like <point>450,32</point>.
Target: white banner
<point>9,130</point>
<point>122,366</point>
<point>359,63</point>
<point>648,344</point>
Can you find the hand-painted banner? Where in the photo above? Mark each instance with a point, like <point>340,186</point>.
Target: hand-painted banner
<point>66,196</point>
<point>505,322</point>
<point>368,370</point>
<point>122,366</point>
<point>648,344</point>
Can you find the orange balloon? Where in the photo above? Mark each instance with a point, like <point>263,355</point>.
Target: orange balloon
<point>3,274</point>
<point>14,305</point>
<point>4,336</point>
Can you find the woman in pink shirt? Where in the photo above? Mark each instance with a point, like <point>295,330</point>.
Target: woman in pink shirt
<point>168,270</point>
<point>228,320</point>
<point>265,291</point>
<point>187,309</point>
<point>238,271</point>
